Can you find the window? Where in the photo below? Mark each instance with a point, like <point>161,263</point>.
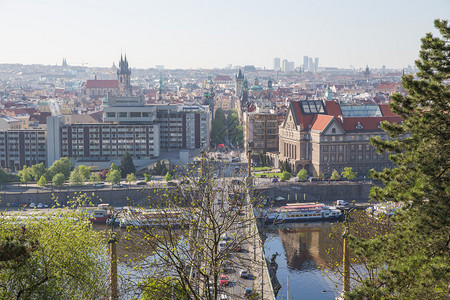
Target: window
<point>325,148</point>
<point>367,147</point>
<point>352,147</point>
<point>333,130</point>
<point>135,114</point>
<point>360,147</point>
<point>122,114</point>
<point>325,158</point>
<point>333,148</point>
<point>341,148</point>
<point>333,157</point>
<point>145,114</point>
<point>341,158</point>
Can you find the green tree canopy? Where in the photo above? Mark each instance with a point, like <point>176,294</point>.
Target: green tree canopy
<point>59,180</point>
<point>42,181</point>
<point>147,177</point>
<point>78,175</point>
<point>302,174</point>
<point>85,171</point>
<point>113,167</point>
<point>127,165</point>
<point>414,259</point>
<point>168,177</point>
<point>72,266</point>
<point>95,178</point>
<point>4,177</point>
<point>63,165</point>
<point>348,173</point>
<point>131,177</point>
<point>38,170</point>
<point>113,177</point>
<point>285,176</point>
<point>25,175</point>
<point>335,175</point>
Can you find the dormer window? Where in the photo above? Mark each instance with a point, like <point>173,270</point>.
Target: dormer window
<point>359,126</point>
<point>333,130</point>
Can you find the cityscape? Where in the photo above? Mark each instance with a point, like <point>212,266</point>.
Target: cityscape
<point>225,151</point>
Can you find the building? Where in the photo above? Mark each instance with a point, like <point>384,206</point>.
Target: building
<point>276,64</point>
<point>100,88</point>
<point>260,130</point>
<point>183,127</point>
<point>22,147</point>
<point>239,81</point>
<point>322,136</point>
<point>305,63</point>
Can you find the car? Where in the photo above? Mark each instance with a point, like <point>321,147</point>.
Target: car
<point>223,280</point>
<point>248,292</point>
<point>171,183</point>
<point>40,205</point>
<point>99,184</point>
<point>141,183</point>
<point>223,297</point>
<point>32,205</point>
<point>341,203</point>
<point>117,186</point>
<point>274,180</point>
<point>243,274</point>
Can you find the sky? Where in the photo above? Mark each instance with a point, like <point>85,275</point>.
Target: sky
<point>209,33</point>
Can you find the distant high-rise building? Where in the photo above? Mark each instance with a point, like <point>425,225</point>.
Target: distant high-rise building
<point>316,64</point>
<point>284,65</point>
<point>276,63</point>
<point>310,64</point>
<point>64,62</point>
<point>383,69</point>
<point>305,63</point>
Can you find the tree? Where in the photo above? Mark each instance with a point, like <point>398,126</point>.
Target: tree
<point>38,170</point>
<point>348,173</point>
<point>59,180</point>
<point>147,177</point>
<point>42,181</point>
<point>193,250</point>
<point>218,128</point>
<point>63,165</point>
<point>113,177</point>
<point>127,165</point>
<point>168,177</point>
<point>113,167</point>
<point>335,175</point>
<point>285,176</point>
<point>302,175</point>
<point>4,178</point>
<point>131,177</point>
<point>25,175</point>
<point>85,171</point>
<point>72,266</point>
<point>166,288</point>
<point>413,260</point>
<point>78,175</point>
<point>95,178</point>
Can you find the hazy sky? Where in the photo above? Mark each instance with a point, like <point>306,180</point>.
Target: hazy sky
<point>210,33</point>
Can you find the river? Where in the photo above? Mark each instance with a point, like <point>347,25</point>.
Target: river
<point>302,249</point>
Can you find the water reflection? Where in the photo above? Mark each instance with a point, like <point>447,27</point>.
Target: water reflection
<point>303,248</point>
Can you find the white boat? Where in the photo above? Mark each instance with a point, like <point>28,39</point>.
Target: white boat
<point>154,218</point>
<point>303,212</point>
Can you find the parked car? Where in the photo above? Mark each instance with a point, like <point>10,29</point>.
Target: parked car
<point>243,274</point>
<point>32,205</point>
<point>223,280</point>
<point>341,203</point>
<point>117,186</point>
<point>99,184</point>
<point>40,205</point>
<point>248,292</point>
<point>141,183</point>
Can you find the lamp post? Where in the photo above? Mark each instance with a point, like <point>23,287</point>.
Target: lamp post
<point>113,260</point>
<point>345,256</point>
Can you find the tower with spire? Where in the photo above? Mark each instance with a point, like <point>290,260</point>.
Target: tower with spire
<point>239,81</point>
<point>124,74</point>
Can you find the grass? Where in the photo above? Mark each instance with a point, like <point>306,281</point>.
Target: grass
<point>269,175</point>
<point>261,168</point>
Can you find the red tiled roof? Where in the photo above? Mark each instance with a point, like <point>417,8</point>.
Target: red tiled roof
<point>305,121</point>
<point>386,111</point>
<point>101,84</point>
<point>321,122</point>
<point>368,123</point>
<point>333,108</point>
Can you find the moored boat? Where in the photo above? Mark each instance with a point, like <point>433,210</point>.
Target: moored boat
<point>303,212</point>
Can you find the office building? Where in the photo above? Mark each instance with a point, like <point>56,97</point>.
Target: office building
<point>276,64</point>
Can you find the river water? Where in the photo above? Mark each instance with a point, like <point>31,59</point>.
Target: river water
<point>302,248</point>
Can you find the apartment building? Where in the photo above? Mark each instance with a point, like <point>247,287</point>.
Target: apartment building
<point>260,130</point>
<point>22,147</point>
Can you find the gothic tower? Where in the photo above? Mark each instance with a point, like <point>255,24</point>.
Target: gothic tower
<point>123,76</point>
<point>238,84</point>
